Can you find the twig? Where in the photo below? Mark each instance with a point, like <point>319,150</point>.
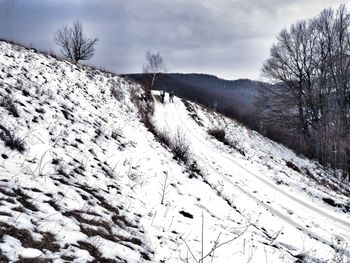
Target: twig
<point>189,249</point>
<point>172,219</point>
<point>273,239</point>
<point>164,187</point>
<point>202,253</point>
<point>226,242</point>
<point>214,247</point>
<point>153,218</point>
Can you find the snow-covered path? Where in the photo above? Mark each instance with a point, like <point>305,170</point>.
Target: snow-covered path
<point>207,149</point>
<point>305,220</point>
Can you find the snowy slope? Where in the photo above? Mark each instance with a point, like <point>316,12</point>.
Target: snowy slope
<point>94,184</point>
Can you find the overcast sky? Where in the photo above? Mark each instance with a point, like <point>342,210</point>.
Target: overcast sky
<point>227,38</point>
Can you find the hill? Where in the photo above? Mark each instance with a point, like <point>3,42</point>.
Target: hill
<point>233,98</point>
<point>89,172</point>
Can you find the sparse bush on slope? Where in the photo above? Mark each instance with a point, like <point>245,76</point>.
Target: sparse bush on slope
<point>180,146</point>
<point>8,103</point>
<point>145,108</point>
<point>177,143</point>
<point>163,137</point>
<point>116,93</point>
<point>219,134</point>
<point>11,140</point>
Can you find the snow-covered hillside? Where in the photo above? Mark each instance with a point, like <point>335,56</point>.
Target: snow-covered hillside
<point>82,179</point>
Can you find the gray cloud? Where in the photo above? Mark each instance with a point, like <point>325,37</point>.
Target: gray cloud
<point>228,38</point>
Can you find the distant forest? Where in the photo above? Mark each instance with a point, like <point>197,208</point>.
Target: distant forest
<point>247,101</point>
<point>233,98</point>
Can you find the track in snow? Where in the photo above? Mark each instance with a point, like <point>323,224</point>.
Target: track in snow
<point>340,227</point>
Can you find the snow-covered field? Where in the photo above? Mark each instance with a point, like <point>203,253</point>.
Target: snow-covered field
<point>91,182</point>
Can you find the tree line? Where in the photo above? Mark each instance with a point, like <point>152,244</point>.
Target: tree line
<point>309,99</point>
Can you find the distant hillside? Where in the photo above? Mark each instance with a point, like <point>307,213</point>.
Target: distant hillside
<point>234,98</point>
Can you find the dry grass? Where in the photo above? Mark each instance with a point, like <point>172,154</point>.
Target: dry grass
<point>8,103</point>
<point>12,140</point>
<point>47,241</point>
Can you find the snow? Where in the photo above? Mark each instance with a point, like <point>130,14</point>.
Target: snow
<point>93,176</point>
<point>243,182</point>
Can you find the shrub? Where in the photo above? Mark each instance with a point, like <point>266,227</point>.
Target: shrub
<point>180,146</point>
<point>25,92</point>
<point>219,134</point>
<point>116,134</point>
<point>8,103</point>
<point>11,139</point>
<point>163,137</point>
<point>145,109</point>
<point>117,93</point>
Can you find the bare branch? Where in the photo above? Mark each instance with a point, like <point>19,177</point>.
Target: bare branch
<point>154,66</point>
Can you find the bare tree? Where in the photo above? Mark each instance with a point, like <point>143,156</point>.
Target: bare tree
<point>292,63</point>
<point>154,66</point>
<point>75,45</point>
<point>310,68</point>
